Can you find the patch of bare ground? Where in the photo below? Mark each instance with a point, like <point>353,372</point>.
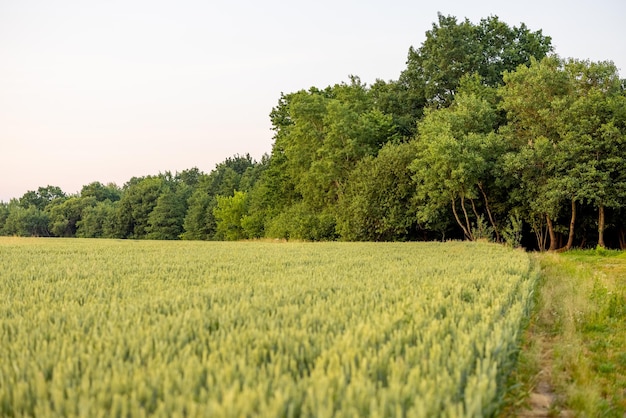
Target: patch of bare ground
<point>542,400</point>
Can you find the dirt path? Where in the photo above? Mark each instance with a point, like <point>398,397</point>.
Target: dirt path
<point>542,401</point>
<point>559,357</point>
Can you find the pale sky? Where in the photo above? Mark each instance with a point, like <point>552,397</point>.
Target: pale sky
<point>107,90</point>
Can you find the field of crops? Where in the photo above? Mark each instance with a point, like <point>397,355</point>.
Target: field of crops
<point>145,328</point>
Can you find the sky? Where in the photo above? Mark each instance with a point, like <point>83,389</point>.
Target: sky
<point>107,90</point>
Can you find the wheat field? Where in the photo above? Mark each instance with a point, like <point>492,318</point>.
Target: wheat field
<point>146,328</point>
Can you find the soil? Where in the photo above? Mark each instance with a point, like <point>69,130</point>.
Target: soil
<point>542,401</point>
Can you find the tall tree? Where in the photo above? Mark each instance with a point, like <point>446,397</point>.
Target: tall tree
<point>229,213</point>
<point>564,118</point>
<point>99,221</point>
<point>42,197</point>
<point>4,214</point>
<point>239,172</point>
<point>320,136</point>
<point>100,192</point>
<point>165,222</point>
<point>453,49</point>
<point>534,97</point>
<point>593,128</point>
<point>26,222</point>
<point>529,173</point>
<point>138,200</point>
<point>378,203</point>
<point>64,216</point>
<point>199,221</point>
<point>457,149</point>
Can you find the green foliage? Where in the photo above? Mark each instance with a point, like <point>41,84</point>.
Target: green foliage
<point>570,136</point>
<point>4,214</point>
<point>300,222</point>
<point>457,153</point>
<point>403,103</point>
<point>138,200</point>
<point>199,222</point>
<point>481,231</point>
<point>65,216</point>
<point>100,192</point>
<point>236,173</point>
<point>322,134</point>
<point>455,49</point>
<point>26,222</point>
<point>378,202</point>
<point>229,213</point>
<point>592,128</point>
<point>42,197</point>
<point>190,177</point>
<point>257,329</point>
<point>580,331</point>
<point>504,139</point>
<point>512,233</point>
<point>532,97</point>
<point>253,225</point>
<point>166,219</point>
<point>98,221</point>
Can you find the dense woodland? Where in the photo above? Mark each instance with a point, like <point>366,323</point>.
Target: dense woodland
<point>486,134</point>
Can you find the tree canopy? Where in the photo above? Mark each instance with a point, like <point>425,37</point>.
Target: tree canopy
<point>486,134</point>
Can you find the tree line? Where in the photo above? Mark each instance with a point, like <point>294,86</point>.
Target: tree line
<point>486,134</point>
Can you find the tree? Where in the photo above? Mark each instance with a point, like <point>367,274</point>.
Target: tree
<point>563,117</point>
<point>534,97</point>
<point>457,149</point>
<point>4,214</point>
<point>229,213</point>
<point>452,50</point>
<point>42,197</point>
<point>529,173</point>
<point>593,128</point>
<point>98,221</point>
<point>138,200</point>
<point>26,222</point>
<point>320,136</point>
<point>199,222</point>
<point>234,173</point>
<point>165,222</point>
<point>64,216</point>
<point>378,203</point>
<point>100,192</point>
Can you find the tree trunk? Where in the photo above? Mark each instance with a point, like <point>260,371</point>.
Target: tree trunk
<point>541,233</point>
<point>495,228</point>
<point>553,243</point>
<point>622,238</point>
<point>572,222</point>
<point>474,209</point>
<point>458,220</point>
<point>468,225</point>
<point>601,226</point>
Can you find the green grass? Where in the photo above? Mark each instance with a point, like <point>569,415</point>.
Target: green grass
<point>146,328</point>
<point>577,335</point>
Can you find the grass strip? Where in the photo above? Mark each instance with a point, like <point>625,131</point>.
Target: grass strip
<point>574,352</point>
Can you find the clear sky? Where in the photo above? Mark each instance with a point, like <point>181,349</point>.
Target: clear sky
<point>107,90</point>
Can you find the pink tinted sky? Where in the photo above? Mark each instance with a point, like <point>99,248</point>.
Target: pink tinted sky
<point>104,91</point>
